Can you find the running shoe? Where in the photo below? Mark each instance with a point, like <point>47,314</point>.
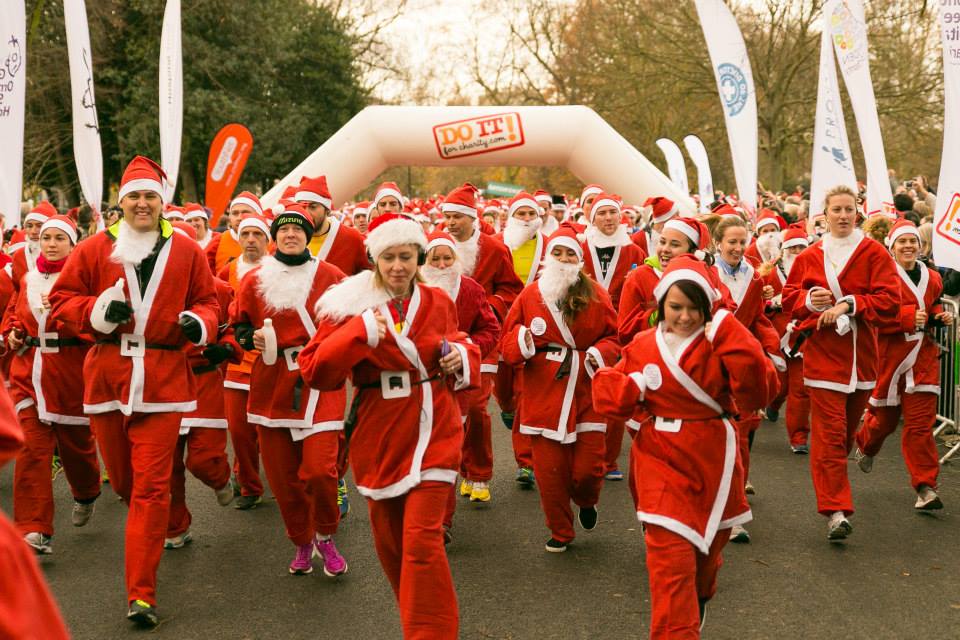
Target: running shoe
<point>343,501</point>
<point>555,546</point>
<point>447,535</point>
<point>301,564</point>
<point>104,476</point>
<point>333,563</point>
<point>702,605</point>
<point>245,503</point>
<point>927,499</point>
<point>800,449</point>
<point>614,475</point>
<point>480,492</point>
<point>507,417</point>
<point>178,542</point>
<point>143,614</point>
<point>466,488</point>
<point>82,513</point>
<point>838,527</point>
<point>749,489</point>
<point>56,467</point>
<point>225,495</point>
<point>525,477</point>
<point>771,414</point>
<point>588,518</point>
<point>739,535</point>
<point>42,543</point>
<point>864,461</point>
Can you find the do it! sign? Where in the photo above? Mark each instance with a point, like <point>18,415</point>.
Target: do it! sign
<point>474,136</point>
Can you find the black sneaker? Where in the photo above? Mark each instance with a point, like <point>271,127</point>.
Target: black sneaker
<point>555,546</point>
<point>507,417</point>
<point>143,614</point>
<point>771,414</point>
<point>245,503</point>
<point>588,518</point>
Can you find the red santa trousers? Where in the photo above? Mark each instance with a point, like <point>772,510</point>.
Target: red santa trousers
<point>477,465</point>
<point>679,577</point>
<point>615,429</point>
<point>919,448</point>
<point>835,417</point>
<point>138,453</point>
<point>243,436</point>
<point>506,390</point>
<point>746,427</point>
<point>206,459</point>
<point>32,484</point>
<point>784,378</point>
<point>303,478</point>
<point>798,404</point>
<point>408,536</point>
<point>568,472</point>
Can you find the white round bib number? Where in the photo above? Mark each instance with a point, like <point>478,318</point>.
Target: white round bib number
<point>652,376</point>
<point>538,326</point>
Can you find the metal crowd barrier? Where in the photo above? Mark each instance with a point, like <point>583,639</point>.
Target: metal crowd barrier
<point>947,406</point>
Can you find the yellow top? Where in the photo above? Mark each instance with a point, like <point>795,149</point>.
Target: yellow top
<point>316,243</point>
<point>523,258</point>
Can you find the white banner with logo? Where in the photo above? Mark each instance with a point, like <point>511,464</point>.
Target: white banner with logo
<point>946,220</point>
<point>87,152</point>
<point>13,84</point>
<point>849,32</point>
<point>731,66</point>
<point>832,160</point>
<point>698,153</point>
<point>171,96</point>
<point>675,165</point>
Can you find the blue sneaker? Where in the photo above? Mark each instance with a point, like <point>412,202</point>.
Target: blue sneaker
<point>525,477</point>
<point>342,500</point>
<point>614,475</point>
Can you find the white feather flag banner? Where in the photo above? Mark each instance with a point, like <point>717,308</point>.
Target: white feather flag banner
<point>698,153</point>
<point>13,85</point>
<point>171,96</point>
<point>675,164</point>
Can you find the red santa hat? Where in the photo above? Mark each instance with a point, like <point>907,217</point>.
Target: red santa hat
<point>492,206</point>
<point>901,228</point>
<point>41,213</point>
<point>693,229</point>
<point>590,190</point>
<point>360,209</point>
<point>565,236</point>
<point>194,210</point>
<point>441,239</point>
<point>604,200</point>
<point>384,190</point>
<point>766,218</point>
<point>544,199</point>
<point>723,210</point>
<point>522,199</point>
<point>142,174</point>
<point>293,214</point>
<point>687,268</point>
<point>253,221</point>
<point>663,209</point>
<point>248,199</point>
<point>795,236</point>
<point>62,223</point>
<point>392,229</point>
<point>184,228</point>
<point>173,212</point>
<point>314,190</point>
<point>463,200</point>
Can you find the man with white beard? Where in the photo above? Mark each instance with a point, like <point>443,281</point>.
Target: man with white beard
<point>768,223</point>
<point>544,209</point>
<point>792,390</point>
<point>444,271</point>
<point>523,236</point>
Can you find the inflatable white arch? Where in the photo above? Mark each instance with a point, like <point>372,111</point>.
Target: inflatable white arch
<point>574,137</point>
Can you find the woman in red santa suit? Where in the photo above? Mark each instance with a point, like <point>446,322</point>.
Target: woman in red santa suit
<point>297,424</point>
<point>476,319</point>
<point>730,237</point>
<point>560,330</point>
<point>909,380</point>
<point>24,259</point>
<point>399,342</point>
<point>840,292</point>
<point>691,374</point>
<point>46,383</point>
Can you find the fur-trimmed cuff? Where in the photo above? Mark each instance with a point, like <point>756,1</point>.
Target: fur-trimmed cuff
<point>807,302</point>
<point>203,326</point>
<point>852,301</point>
<point>463,376</point>
<point>718,319</point>
<point>779,363</point>
<point>593,351</point>
<point>525,351</point>
<point>641,383</point>
<point>370,324</point>
<point>98,315</point>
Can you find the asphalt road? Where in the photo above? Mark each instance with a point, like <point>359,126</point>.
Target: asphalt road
<point>897,577</point>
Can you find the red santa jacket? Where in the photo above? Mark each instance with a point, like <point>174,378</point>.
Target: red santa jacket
<point>6,294</point>
<point>746,291</point>
<point>685,465</point>
<point>278,396</point>
<point>475,317</point>
<point>868,282</point>
<point>344,248</point>
<point>237,374</point>
<point>140,366</point>
<point>24,260</point>
<point>51,378</point>
<point>562,407</point>
<point>493,269</point>
<point>642,239</point>
<point>625,259</point>
<point>910,359</point>
<point>407,420</point>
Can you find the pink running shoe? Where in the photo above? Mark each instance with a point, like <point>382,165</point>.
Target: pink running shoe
<point>333,563</point>
<point>302,564</point>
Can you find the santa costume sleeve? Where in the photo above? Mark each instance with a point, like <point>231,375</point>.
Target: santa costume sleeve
<point>485,329</point>
<point>336,348</point>
<point>752,377</point>
<point>513,345</point>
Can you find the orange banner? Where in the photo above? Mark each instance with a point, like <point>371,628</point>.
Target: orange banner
<point>228,156</point>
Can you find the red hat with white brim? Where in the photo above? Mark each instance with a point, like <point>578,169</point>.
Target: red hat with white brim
<point>391,230</point>
<point>62,223</point>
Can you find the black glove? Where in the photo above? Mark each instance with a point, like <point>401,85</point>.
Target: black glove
<point>243,332</point>
<point>118,312</point>
<point>217,353</point>
<point>191,328</point>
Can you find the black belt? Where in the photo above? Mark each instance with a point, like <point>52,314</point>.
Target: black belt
<point>351,421</point>
<point>565,365</point>
<point>149,345</point>
<point>207,368</point>
<point>48,343</point>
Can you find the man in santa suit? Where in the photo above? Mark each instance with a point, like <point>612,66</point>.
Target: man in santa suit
<point>332,242</point>
<point>254,232</point>
<point>523,236</point>
<point>766,244</point>
<point>661,210</point>
<point>589,194</point>
<point>144,292</point>
<point>197,217</point>
<point>226,246</point>
<point>359,216</point>
<point>545,202</point>
<point>387,199</point>
<point>25,258</point>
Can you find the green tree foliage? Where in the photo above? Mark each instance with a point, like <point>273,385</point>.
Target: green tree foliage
<point>287,69</point>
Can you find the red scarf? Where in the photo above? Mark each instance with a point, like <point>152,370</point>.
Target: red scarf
<point>50,266</point>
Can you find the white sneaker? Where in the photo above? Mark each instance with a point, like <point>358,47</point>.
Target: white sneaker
<point>838,527</point>
<point>82,513</point>
<point>864,461</point>
<point>178,542</point>
<point>225,495</point>
<point>927,499</point>
<point>41,542</point>
<point>739,535</point>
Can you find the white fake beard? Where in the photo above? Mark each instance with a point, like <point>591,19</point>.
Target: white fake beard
<point>467,252</point>
<point>600,240</point>
<point>131,246</point>
<point>33,247</point>
<point>447,279</point>
<point>284,286</point>
<point>518,232</point>
<point>550,225</point>
<point>556,279</point>
<point>786,261</point>
<point>39,284</point>
<point>654,240</point>
<point>769,247</point>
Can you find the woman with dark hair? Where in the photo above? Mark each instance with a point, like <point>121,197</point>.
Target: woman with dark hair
<point>560,330</point>
<point>691,375</point>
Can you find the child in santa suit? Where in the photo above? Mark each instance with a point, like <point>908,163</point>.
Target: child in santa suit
<point>443,271</point>
<point>840,292</point>
<point>561,330</point>
<point>400,343</point>
<point>909,380</point>
<point>297,425</point>
<point>46,383</point>
<point>691,374</point>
